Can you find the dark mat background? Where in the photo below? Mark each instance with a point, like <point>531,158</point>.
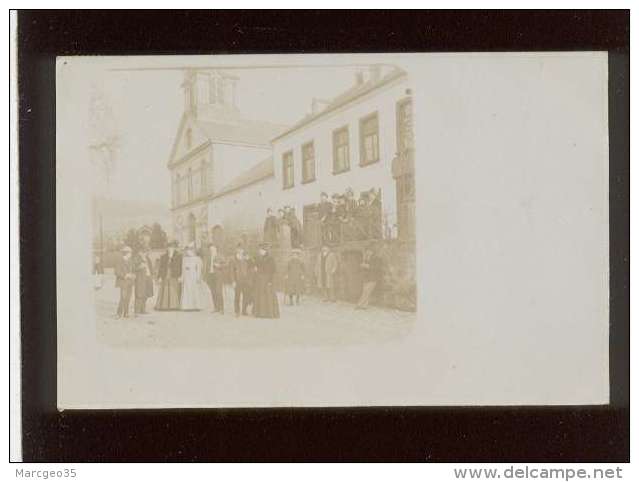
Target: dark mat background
<point>472,434</point>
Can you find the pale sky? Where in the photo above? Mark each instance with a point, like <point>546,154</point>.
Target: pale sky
<point>147,106</point>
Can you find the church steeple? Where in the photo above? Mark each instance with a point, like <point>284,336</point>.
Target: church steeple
<point>210,94</point>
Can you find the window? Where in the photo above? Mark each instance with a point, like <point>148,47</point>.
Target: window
<point>176,190</point>
<point>189,98</point>
<point>404,125</point>
<point>341,160</point>
<point>308,162</point>
<point>212,90</point>
<point>183,191</point>
<point>369,140</point>
<point>196,183</point>
<point>287,170</point>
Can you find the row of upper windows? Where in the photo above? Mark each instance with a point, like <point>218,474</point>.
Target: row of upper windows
<point>194,183</point>
<point>368,152</point>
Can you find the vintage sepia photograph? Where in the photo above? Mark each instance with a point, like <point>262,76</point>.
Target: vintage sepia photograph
<point>229,211</point>
<point>331,230</point>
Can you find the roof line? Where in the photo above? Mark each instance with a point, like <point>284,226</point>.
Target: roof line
<point>190,154</point>
<point>243,144</point>
<point>242,186</point>
<point>391,78</point>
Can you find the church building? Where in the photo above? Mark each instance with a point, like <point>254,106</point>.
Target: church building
<point>216,152</point>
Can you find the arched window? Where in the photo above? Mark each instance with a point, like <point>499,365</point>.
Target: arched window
<point>189,98</point>
<point>177,199</point>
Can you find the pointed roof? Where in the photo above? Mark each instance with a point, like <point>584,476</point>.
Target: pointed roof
<point>243,131</point>
<point>351,94</point>
<point>232,131</point>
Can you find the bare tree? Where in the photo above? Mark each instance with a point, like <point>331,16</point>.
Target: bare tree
<point>104,142</point>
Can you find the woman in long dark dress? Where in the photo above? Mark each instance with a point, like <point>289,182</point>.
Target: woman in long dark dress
<point>265,303</point>
<point>296,228</point>
<point>271,227</point>
<point>169,273</point>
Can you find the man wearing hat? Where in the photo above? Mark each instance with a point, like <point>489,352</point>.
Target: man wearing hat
<point>326,272</point>
<point>241,273</point>
<point>143,268</point>
<point>124,278</point>
<point>213,263</point>
<point>372,273</point>
<point>296,227</point>
<point>324,206</point>
<point>332,223</point>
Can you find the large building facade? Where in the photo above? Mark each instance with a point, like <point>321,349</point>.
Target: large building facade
<point>226,170</point>
<point>355,141</point>
<point>214,149</point>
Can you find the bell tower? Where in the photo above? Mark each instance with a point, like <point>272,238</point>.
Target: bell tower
<point>210,94</point>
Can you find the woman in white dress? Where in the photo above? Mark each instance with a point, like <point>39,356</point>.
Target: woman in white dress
<point>191,280</point>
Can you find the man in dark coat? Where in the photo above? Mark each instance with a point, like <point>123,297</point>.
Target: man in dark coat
<point>372,273</point>
<point>326,273</point>
<point>213,272</point>
<point>271,227</point>
<point>169,273</point>
<point>124,278</point>
<point>241,269</point>
<point>351,203</point>
<point>296,228</point>
<point>324,206</point>
<point>143,268</point>
<point>265,303</point>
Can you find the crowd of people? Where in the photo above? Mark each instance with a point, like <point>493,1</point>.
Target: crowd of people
<point>191,279</point>
<point>284,230</point>
<point>347,218</point>
<point>342,217</point>
<point>327,269</point>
